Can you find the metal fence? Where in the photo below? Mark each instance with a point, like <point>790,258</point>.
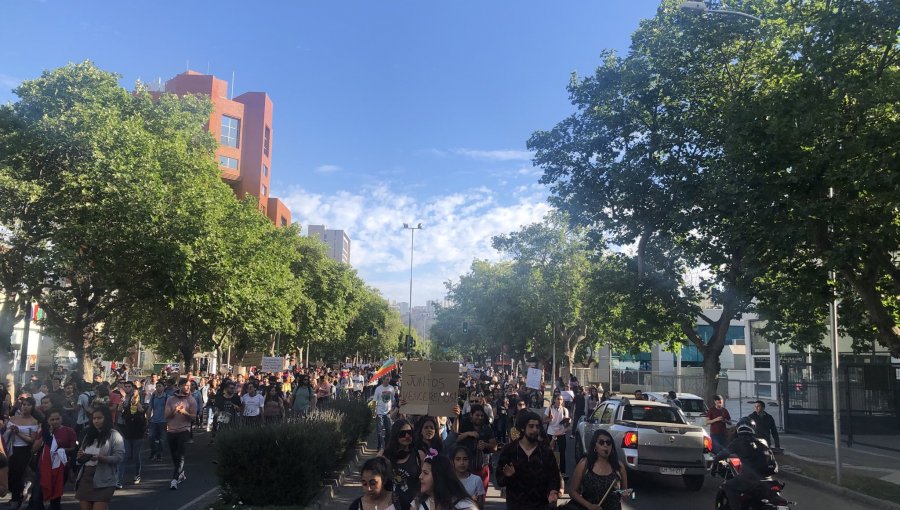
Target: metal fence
<point>869,402</point>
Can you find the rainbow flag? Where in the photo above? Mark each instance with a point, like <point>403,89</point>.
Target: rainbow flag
<point>386,367</point>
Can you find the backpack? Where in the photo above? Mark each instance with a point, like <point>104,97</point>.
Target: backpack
<point>771,463</point>
<point>91,395</point>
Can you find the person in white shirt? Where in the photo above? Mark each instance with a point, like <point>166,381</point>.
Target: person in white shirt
<point>384,402</point>
<point>440,487</point>
<point>557,419</point>
<point>253,403</point>
<point>473,483</point>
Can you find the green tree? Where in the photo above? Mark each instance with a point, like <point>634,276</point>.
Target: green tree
<point>86,166</point>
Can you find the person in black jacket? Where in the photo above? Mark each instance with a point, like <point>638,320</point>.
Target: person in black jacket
<point>528,468</point>
<point>757,462</point>
<point>765,424</point>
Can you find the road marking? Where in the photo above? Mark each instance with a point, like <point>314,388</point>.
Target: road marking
<point>196,500</point>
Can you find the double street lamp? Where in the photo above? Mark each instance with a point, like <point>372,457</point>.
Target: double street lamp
<point>412,244</point>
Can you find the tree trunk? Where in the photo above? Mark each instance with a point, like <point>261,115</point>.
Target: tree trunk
<point>187,355</point>
<point>10,314</point>
<point>711,368</point>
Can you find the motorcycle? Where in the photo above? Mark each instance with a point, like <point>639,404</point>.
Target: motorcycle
<point>765,495</point>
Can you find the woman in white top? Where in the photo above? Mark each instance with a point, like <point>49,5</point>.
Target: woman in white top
<point>557,419</point>
<point>440,488</point>
<point>22,431</point>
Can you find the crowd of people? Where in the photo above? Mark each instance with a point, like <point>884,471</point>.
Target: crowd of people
<point>500,433</point>
<point>89,435</point>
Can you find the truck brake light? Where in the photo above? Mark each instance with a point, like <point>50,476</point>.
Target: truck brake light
<point>630,440</point>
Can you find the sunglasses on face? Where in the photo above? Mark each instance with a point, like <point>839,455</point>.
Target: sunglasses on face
<point>404,433</point>
<point>604,442</point>
<point>371,483</point>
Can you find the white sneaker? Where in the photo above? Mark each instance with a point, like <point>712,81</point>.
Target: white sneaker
<point>173,484</point>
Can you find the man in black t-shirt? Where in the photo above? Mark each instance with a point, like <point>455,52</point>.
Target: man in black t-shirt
<point>227,407</point>
<point>474,432</point>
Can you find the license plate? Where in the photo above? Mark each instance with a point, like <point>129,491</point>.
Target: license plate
<point>671,471</point>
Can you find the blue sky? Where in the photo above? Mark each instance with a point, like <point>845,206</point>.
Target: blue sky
<point>385,111</point>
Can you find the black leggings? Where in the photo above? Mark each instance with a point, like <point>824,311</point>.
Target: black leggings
<point>18,463</point>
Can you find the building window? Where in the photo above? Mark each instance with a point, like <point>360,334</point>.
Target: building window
<point>227,162</point>
<point>267,136</point>
<point>231,129</point>
<point>265,170</point>
<point>283,221</point>
<point>265,190</point>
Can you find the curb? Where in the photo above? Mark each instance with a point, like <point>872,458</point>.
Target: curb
<point>881,504</point>
<point>331,485</point>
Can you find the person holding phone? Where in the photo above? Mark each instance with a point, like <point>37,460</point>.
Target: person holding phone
<point>98,457</point>
<point>557,419</point>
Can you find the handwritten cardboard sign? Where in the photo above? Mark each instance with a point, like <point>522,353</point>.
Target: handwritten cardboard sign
<point>272,364</point>
<point>535,376</point>
<point>430,387</point>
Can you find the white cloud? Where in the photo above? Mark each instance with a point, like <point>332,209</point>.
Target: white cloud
<point>457,228</point>
<point>8,81</point>
<point>530,171</point>
<point>327,169</point>
<point>495,155</point>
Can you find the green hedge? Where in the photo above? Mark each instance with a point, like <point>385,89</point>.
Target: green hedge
<point>284,463</point>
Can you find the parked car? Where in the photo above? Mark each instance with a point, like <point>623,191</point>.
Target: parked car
<point>693,407</point>
<point>651,437</point>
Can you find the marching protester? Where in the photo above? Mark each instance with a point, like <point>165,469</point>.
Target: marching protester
<point>441,488</point>
<point>376,475</point>
<point>55,446</point>
<point>598,476</point>
<point>132,424</point>
<point>476,435</point>
<point>527,468</point>
<point>21,433</point>
<point>253,404</point>
<point>273,407</point>
<point>557,419</point>
<point>472,482</point>
<point>427,436</point>
<point>384,401</point>
<point>156,409</point>
<point>405,460</point>
<point>180,411</point>
<point>101,451</point>
<point>303,398</point>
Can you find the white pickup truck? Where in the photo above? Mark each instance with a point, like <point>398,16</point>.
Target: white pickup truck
<point>650,437</point>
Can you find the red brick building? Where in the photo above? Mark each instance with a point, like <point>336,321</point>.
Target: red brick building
<point>243,128</point>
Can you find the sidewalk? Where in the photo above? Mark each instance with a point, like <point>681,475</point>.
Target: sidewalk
<point>874,462</point>
<point>870,471</point>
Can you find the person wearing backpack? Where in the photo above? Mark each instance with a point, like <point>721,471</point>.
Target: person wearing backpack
<point>85,409</point>
<point>132,422</point>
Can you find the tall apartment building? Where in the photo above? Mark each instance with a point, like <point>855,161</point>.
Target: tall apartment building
<point>243,128</point>
<point>338,242</point>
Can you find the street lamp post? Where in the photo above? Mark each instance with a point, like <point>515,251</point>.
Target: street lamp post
<point>702,8</point>
<point>412,245</point>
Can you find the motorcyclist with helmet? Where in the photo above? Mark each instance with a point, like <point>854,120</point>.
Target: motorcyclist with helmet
<point>757,462</point>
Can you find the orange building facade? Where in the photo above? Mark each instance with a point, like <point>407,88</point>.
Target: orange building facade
<point>243,128</point>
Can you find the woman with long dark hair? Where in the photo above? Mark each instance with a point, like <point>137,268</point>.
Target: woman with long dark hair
<point>441,488</point>
<point>406,461</point>
<point>597,476</point>
<point>101,451</point>
<point>427,435</point>
<point>22,431</point>
<point>273,407</point>
<point>376,476</point>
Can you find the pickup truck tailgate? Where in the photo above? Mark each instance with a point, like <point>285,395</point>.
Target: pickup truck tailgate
<point>670,445</point>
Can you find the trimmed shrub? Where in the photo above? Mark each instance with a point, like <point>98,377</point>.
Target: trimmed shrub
<point>254,462</point>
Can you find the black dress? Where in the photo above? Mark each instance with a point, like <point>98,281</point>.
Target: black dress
<point>594,486</point>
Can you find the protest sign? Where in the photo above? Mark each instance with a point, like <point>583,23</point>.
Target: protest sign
<point>252,359</point>
<point>272,363</point>
<point>535,376</point>
<point>430,387</point>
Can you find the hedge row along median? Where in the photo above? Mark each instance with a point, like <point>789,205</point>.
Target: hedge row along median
<point>284,463</point>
